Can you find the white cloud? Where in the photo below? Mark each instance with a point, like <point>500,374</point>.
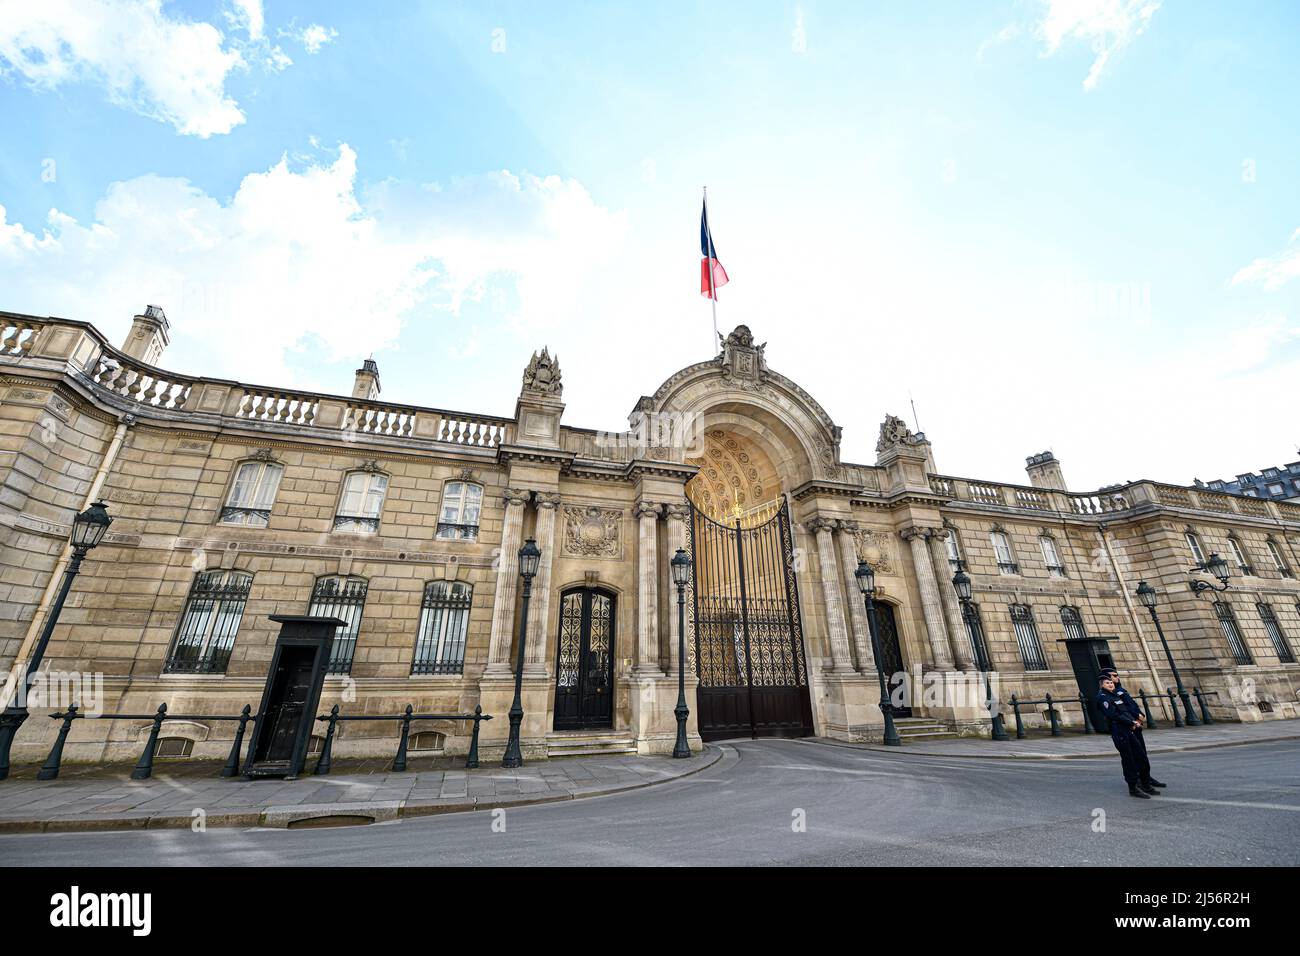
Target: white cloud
<point>1107,26</point>
<point>1275,271</point>
<point>168,69</point>
<point>249,15</point>
<point>316,36</point>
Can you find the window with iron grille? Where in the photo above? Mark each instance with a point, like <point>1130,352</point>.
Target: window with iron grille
<point>1275,553</point>
<point>954,549</point>
<point>344,598</point>
<point>1232,633</point>
<point>1240,557</point>
<point>1194,544</point>
<point>1073,621</point>
<point>462,504</point>
<point>1274,629</point>
<point>975,634</point>
<point>1002,549</point>
<point>1031,649</point>
<point>252,494</point>
<point>444,622</point>
<point>1051,557</point>
<point>361,502</point>
<point>209,623</point>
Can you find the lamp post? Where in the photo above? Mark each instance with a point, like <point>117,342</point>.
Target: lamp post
<point>866,578</point>
<point>88,530</point>
<point>681,567</point>
<point>529,557</point>
<point>961,584</point>
<point>1147,594</point>
<point>1216,566</point>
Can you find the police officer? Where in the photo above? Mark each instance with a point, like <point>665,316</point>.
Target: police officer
<point>1126,722</point>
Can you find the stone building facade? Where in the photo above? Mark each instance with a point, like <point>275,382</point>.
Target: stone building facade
<point>233,502</point>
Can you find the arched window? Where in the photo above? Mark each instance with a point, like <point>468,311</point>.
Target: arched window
<point>444,623</point>
<point>209,623</point>
<point>1194,545</point>
<point>1031,649</point>
<point>1051,557</point>
<point>1239,556</point>
<point>361,502</point>
<point>1002,549</point>
<point>1073,621</point>
<point>954,549</point>
<point>252,494</point>
<point>462,503</point>
<point>344,598</point>
<point>1279,563</point>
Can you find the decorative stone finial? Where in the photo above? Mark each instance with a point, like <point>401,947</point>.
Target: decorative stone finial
<point>894,431</point>
<point>543,374</point>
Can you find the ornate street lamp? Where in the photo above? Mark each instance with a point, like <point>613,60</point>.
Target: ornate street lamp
<point>866,578</point>
<point>88,530</point>
<point>1147,595</point>
<point>961,584</point>
<point>1215,566</point>
<point>681,568</point>
<point>529,557</point>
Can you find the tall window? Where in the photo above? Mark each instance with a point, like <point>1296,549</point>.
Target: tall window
<point>208,626</point>
<point>1073,621</point>
<point>252,494</point>
<point>1239,556</point>
<point>1031,649</point>
<point>1051,557</point>
<point>1232,633</point>
<point>344,598</point>
<point>1194,543</point>
<point>1002,549</point>
<point>361,502</point>
<point>975,634</point>
<point>1279,564</point>
<point>1274,629</point>
<point>444,622</point>
<point>954,549</point>
<point>462,503</point>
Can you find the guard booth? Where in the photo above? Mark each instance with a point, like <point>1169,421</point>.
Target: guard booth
<point>1088,657</point>
<point>287,713</point>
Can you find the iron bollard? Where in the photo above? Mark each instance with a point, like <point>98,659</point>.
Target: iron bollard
<point>50,770</point>
<point>1205,711</point>
<point>324,761</point>
<point>1087,720</point>
<point>1146,710</point>
<point>231,769</point>
<point>471,761</point>
<point>1173,705</point>
<point>1020,724</point>
<point>399,762</point>
<point>1051,715</point>
<point>144,768</point>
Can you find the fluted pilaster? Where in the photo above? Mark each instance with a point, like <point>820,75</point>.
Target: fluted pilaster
<point>857,607</point>
<point>822,529</point>
<point>539,614</point>
<point>503,604</point>
<point>931,602</point>
<point>647,650</point>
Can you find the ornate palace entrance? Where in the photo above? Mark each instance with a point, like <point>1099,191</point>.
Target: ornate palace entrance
<point>584,671</point>
<point>748,646</point>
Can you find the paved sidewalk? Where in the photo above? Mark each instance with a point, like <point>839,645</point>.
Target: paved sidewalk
<point>1042,746</point>
<point>112,801</point>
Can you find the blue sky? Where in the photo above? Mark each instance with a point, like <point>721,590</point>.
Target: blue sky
<point>1067,224</point>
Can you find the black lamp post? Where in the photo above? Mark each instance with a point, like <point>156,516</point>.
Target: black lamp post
<point>961,584</point>
<point>866,578</point>
<point>88,530</point>
<point>681,567</point>
<point>1148,596</point>
<point>1216,566</point>
<point>529,557</point>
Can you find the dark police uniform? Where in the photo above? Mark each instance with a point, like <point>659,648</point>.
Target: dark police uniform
<point>1122,711</point>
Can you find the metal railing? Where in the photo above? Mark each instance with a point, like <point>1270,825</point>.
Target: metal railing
<point>1088,728</point>
<point>324,761</point>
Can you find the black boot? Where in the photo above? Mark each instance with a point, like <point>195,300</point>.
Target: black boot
<point>1153,782</point>
<point>1149,790</point>
<point>1133,791</point>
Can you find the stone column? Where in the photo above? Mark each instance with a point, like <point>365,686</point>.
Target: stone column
<point>931,603</point>
<point>539,614</point>
<point>647,649</point>
<point>857,607</point>
<point>830,575</point>
<point>503,605</point>
<point>957,633</point>
<point>678,515</point>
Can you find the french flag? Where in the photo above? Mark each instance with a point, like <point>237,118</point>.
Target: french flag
<point>712,275</point>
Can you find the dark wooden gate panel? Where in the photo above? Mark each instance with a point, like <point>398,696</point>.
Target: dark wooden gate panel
<point>584,672</point>
<point>891,654</point>
<point>748,647</point>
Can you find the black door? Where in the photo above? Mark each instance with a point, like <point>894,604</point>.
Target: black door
<point>1087,657</point>
<point>891,655</point>
<point>584,671</point>
<point>289,693</point>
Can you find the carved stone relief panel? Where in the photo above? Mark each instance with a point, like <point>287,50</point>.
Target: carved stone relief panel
<point>593,532</point>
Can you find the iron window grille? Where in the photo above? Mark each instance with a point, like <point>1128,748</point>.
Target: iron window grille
<point>209,623</point>
<point>344,598</point>
<point>444,623</point>
<point>1232,633</point>
<point>1274,629</point>
<point>462,506</point>
<point>362,502</point>
<point>1031,649</point>
<point>975,634</point>
<point>252,494</point>
<point>1073,621</point>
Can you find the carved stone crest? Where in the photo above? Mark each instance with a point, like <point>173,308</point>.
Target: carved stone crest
<point>543,374</point>
<point>875,548</point>
<point>894,431</point>
<point>593,532</point>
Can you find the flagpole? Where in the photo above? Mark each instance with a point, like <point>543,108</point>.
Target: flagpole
<point>713,293</point>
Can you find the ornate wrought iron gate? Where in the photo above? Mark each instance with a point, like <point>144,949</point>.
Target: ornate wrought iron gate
<point>748,647</point>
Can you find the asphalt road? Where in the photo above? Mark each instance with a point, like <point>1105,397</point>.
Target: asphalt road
<point>1234,806</point>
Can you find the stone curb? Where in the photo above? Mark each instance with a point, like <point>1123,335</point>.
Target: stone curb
<point>280,817</point>
<point>877,748</point>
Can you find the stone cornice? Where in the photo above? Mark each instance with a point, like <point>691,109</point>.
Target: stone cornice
<point>644,468</point>
<point>557,456</point>
<point>822,486</point>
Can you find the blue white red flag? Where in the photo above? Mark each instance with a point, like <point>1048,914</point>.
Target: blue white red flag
<point>712,275</point>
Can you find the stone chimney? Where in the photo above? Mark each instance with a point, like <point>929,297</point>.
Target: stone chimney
<point>366,385</point>
<point>148,336</point>
<point>1045,471</point>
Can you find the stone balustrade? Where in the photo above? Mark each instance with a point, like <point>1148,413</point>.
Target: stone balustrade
<point>17,334</point>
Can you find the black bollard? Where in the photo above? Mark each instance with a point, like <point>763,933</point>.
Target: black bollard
<point>1051,716</point>
<point>231,769</point>
<point>1020,724</point>
<point>471,761</point>
<point>50,770</point>
<point>1087,720</point>
<point>399,762</point>
<point>1146,710</point>
<point>144,768</point>
<point>1173,705</point>
<point>1205,711</point>
<point>324,761</point>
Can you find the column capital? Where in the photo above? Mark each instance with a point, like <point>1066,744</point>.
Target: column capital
<point>847,524</point>
<point>677,512</point>
<point>820,523</point>
<point>548,500</point>
<point>910,534</point>
<point>516,496</point>
<point>644,508</point>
